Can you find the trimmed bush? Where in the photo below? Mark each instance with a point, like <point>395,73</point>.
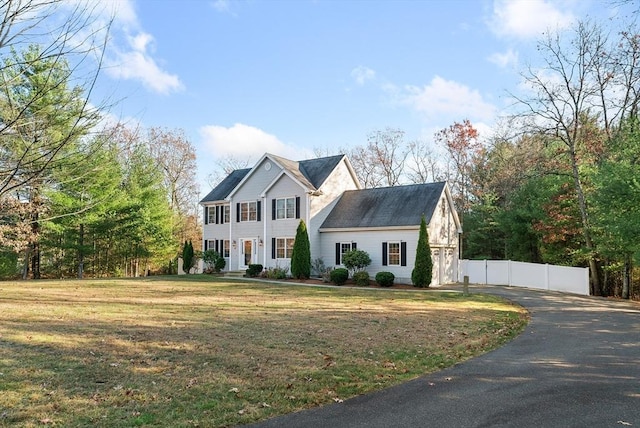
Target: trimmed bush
<point>385,279</point>
<point>356,260</point>
<point>254,270</point>
<point>339,276</point>
<point>213,260</point>
<point>361,278</point>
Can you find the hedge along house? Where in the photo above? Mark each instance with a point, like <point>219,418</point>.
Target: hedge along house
<point>252,216</point>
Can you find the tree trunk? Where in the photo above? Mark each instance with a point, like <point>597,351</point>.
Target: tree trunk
<point>35,261</point>
<point>595,286</point>
<point>81,251</point>
<point>626,277</point>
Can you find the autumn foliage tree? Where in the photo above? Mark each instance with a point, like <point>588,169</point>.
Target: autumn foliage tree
<point>462,144</point>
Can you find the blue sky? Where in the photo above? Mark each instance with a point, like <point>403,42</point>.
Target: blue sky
<point>251,76</point>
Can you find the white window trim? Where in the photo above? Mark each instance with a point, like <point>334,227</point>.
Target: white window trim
<point>389,243</point>
<point>293,213</point>
<point>285,239</point>
<point>248,204</point>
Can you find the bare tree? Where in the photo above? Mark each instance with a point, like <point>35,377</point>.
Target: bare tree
<point>381,162</point>
<point>224,167</point>
<point>423,165</point>
<point>175,154</point>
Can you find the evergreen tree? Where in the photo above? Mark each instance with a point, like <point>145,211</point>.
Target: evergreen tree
<point>188,260</point>
<point>301,257</point>
<point>422,270</point>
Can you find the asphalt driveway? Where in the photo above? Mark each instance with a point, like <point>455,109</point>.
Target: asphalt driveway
<point>577,364</point>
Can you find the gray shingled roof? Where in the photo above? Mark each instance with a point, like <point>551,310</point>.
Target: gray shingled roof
<point>385,206</point>
<point>317,170</point>
<point>222,190</point>
<point>311,172</point>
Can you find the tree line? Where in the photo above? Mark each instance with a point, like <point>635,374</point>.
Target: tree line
<point>559,180</point>
<point>79,196</point>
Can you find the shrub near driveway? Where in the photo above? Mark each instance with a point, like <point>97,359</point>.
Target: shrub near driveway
<point>199,350</point>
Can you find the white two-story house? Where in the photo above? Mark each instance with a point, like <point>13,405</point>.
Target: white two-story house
<point>251,217</point>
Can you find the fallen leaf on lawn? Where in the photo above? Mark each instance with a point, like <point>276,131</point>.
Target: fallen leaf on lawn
<point>234,390</point>
<point>241,412</point>
<point>265,405</point>
<point>338,400</point>
<point>45,421</point>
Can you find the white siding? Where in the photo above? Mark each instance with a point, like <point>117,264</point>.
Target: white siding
<point>256,182</point>
<point>371,242</point>
<point>338,182</point>
<point>284,187</point>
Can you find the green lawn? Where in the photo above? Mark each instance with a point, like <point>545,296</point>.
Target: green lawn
<point>200,351</point>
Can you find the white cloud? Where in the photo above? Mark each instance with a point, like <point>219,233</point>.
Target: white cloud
<point>505,59</point>
<point>446,99</point>
<point>528,18</point>
<point>130,50</point>
<point>221,5</point>
<point>362,74</point>
<point>137,63</point>
<point>244,141</point>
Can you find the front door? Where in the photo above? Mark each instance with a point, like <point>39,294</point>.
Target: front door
<point>246,253</point>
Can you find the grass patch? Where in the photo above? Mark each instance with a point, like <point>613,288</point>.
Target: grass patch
<point>201,351</point>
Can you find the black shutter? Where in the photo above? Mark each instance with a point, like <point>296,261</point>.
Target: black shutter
<point>205,245</point>
<point>403,253</point>
<point>337,253</point>
<point>297,206</point>
<point>354,246</point>
<point>238,212</point>
<point>273,209</point>
<point>218,246</point>
<point>273,248</point>
<point>217,214</point>
<point>259,209</point>
<point>222,214</point>
<point>384,254</point>
<point>206,215</point>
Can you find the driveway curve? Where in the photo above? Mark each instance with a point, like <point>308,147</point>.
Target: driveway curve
<point>577,364</point>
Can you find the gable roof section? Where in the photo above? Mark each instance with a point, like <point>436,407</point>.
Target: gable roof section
<point>226,186</point>
<point>385,206</point>
<point>317,170</point>
<point>311,172</point>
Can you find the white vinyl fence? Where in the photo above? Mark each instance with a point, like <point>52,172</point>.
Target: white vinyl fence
<point>532,275</point>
